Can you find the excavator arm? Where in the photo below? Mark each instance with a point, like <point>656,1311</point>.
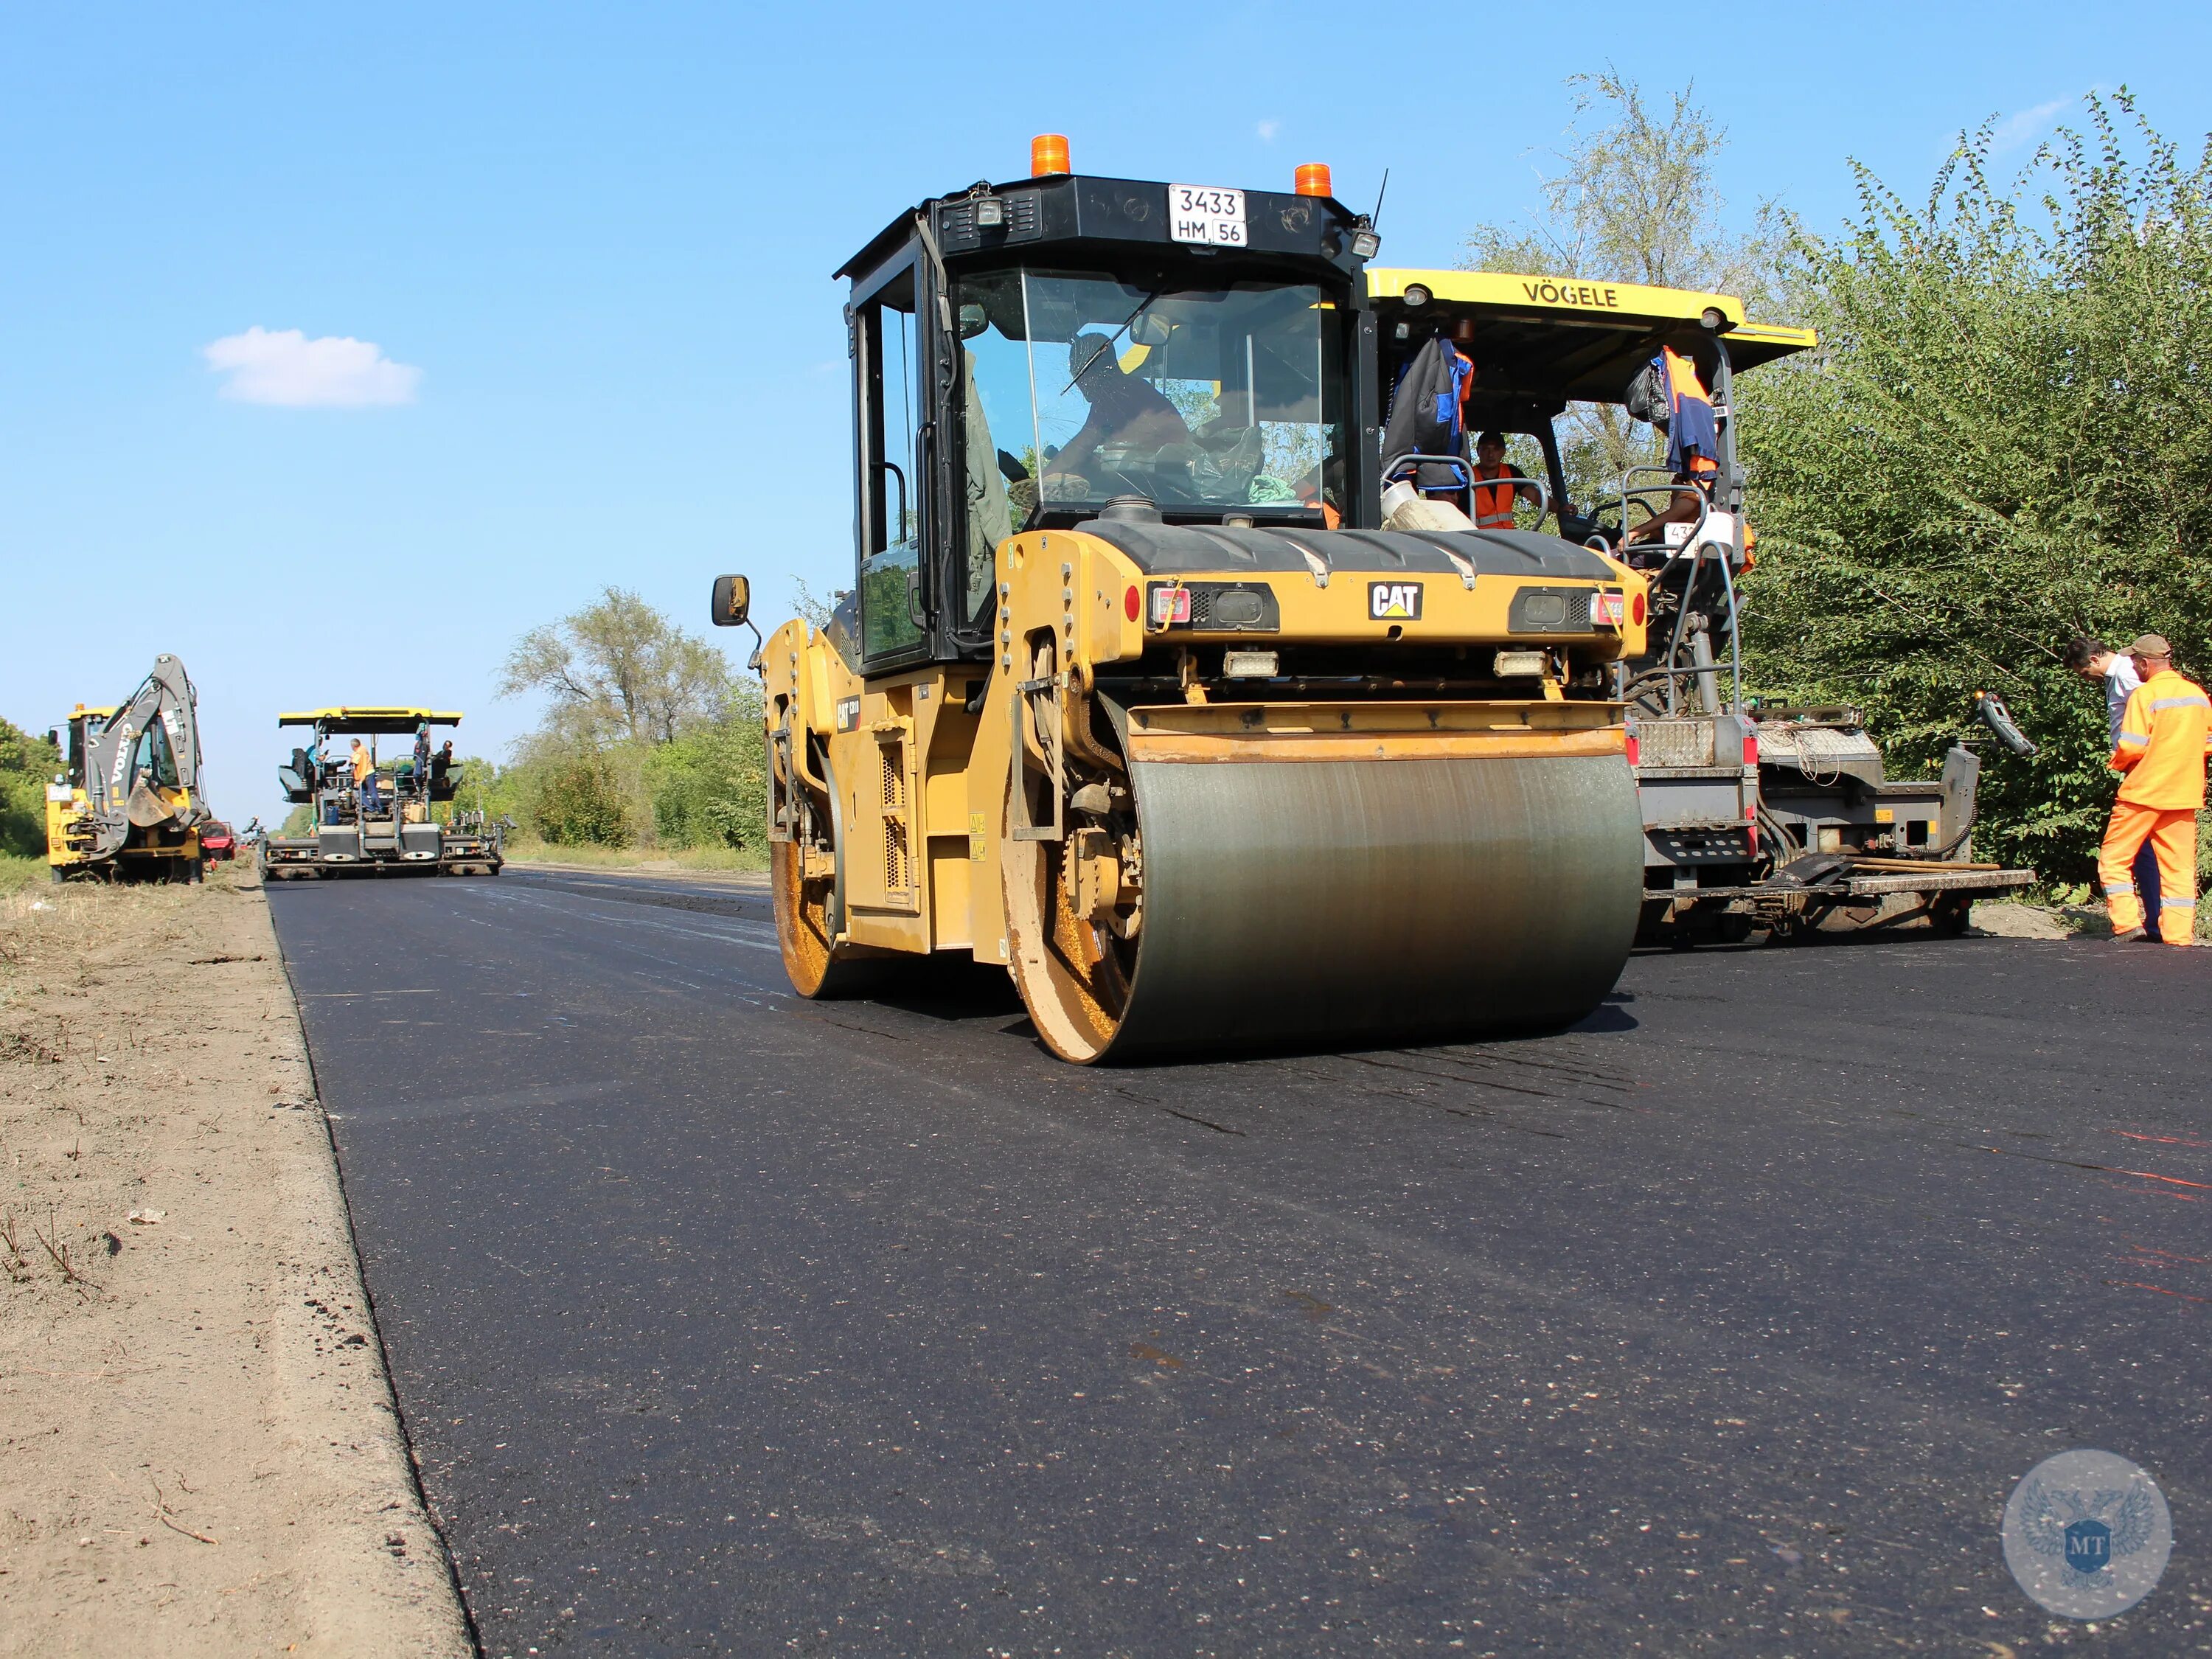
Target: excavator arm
<point>143,769</point>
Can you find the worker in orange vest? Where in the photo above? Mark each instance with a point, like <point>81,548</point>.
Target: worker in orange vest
<point>365,778</point>
<point>2164,736</point>
<point>1493,503</point>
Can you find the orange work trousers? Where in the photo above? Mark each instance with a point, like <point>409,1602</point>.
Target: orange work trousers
<point>2172,836</point>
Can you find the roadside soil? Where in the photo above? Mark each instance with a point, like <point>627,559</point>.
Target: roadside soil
<point>199,1453</point>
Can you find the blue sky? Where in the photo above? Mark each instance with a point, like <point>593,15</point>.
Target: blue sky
<point>600,239</point>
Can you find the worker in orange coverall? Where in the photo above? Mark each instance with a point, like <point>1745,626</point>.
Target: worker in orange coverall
<point>2164,736</point>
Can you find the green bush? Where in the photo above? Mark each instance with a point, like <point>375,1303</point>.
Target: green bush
<point>576,803</point>
<point>2004,439</point>
<point>710,787</point>
<point>27,764</point>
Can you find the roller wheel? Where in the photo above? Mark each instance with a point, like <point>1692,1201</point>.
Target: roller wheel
<point>816,965</point>
<point>1073,975</point>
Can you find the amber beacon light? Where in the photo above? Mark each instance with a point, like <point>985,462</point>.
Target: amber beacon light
<point>1049,154</point>
<point>1313,178</point>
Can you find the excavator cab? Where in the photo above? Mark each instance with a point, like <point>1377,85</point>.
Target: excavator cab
<point>386,822</point>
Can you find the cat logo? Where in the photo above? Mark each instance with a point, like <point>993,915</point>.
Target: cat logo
<point>849,713</point>
<point>1393,601</point>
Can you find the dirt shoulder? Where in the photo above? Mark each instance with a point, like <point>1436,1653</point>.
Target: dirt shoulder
<point>199,1449</point>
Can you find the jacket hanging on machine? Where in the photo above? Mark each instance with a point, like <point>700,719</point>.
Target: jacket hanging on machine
<point>1668,394</point>
<point>1428,416</point>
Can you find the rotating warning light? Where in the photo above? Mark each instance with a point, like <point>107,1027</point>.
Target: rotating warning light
<point>1312,178</point>
<point>1049,154</point>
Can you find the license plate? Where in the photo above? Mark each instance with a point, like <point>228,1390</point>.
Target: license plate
<point>1202,214</point>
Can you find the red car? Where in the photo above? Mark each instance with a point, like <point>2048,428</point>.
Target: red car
<point>217,844</point>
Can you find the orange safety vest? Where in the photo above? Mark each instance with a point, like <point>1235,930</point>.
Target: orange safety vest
<point>2164,736</point>
<point>362,766</point>
<point>1493,506</point>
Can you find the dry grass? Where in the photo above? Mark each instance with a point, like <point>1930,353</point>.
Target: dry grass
<point>728,860</point>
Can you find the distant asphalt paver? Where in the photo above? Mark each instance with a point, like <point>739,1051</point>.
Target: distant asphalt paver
<point>727,1322</point>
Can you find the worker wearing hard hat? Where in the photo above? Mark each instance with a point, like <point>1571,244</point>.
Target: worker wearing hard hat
<point>2165,734</point>
<point>1493,501</point>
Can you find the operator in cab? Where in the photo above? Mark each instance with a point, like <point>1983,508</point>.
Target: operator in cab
<point>1493,501</point>
<point>1668,393</point>
<point>1126,411</point>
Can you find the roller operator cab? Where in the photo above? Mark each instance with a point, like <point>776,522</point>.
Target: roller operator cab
<point>1754,815</point>
<point>1132,695</point>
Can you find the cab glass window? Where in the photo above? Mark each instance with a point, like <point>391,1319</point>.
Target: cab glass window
<point>892,478</point>
<point>1085,387</point>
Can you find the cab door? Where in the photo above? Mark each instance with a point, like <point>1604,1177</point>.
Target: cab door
<point>874,755</point>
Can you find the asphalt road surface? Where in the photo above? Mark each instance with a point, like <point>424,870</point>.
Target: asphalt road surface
<point>727,1322</point>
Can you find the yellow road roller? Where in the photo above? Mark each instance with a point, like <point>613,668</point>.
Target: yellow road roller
<point>1160,684</point>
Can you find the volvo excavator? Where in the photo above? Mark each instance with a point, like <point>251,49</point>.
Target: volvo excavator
<point>1135,696</point>
<point>130,804</point>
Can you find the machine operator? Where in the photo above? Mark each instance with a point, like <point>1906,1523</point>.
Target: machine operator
<point>1126,410</point>
<point>1493,504</point>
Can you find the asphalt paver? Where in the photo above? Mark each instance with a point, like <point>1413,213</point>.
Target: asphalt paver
<point>725,1322</point>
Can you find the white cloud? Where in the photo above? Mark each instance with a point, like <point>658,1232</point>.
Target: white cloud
<point>2017,130</point>
<point>1268,130</point>
<point>284,367</point>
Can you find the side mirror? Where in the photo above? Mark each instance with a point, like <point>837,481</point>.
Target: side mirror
<point>733,598</point>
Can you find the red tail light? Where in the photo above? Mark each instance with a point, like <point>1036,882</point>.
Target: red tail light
<point>1750,749</point>
<point>1637,607</point>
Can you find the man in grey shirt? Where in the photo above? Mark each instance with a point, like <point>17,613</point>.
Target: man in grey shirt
<point>2092,660</point>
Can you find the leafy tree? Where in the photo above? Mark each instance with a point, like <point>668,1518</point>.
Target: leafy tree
<point>619,669</point>
<point>648,736</point>
<point>1635,197</point>
<point>2004,439</point>
<point>26,763</point>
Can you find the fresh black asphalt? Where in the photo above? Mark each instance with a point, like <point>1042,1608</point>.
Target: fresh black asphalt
<point>725,1322</point>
